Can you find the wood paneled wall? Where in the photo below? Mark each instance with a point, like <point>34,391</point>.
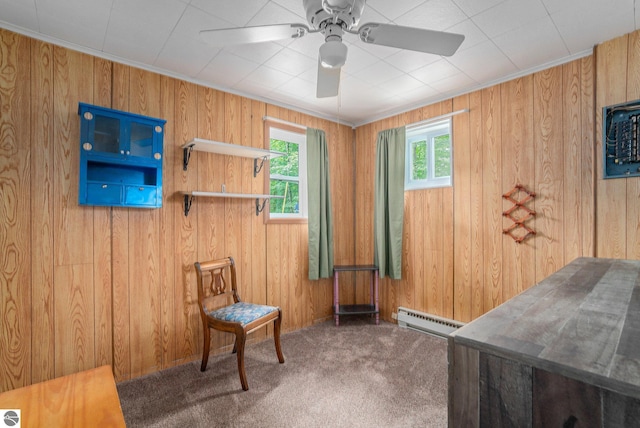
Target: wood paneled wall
<point>81,286</point>
<point>85,286</point>
<point>618,207</point>
<point>536,131</point>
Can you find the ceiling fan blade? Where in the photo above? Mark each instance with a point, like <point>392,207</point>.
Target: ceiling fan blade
<point>328,81</point>
<point>411,38</point>
<point>257,34</point>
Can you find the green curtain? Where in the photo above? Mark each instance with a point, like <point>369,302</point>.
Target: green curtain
<point>389,202</point>
<point>319,197</point>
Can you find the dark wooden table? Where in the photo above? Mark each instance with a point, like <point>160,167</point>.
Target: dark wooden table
<point>565,352</point>
<point>371,308</point>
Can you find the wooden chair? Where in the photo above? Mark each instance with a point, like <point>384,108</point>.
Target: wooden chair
<point>221,309</point>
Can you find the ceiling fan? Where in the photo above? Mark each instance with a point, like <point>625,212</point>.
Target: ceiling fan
<point>333,18</point>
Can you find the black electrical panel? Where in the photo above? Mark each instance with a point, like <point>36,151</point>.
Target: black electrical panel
<point>621,140</point>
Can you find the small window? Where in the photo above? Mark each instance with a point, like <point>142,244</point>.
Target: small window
<point>288,173</point>
<point>428,156</point>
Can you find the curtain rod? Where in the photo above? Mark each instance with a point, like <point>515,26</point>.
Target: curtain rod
<point>284,122</point>
<point>434,119</point>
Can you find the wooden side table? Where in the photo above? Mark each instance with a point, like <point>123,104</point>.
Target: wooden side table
<point>84,399</point>
<point>371,308</point>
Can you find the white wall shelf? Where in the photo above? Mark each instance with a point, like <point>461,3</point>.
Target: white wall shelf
<point>188,198</point>
<point>228,149</point>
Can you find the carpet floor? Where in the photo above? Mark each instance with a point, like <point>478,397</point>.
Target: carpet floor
<point>355,375</point>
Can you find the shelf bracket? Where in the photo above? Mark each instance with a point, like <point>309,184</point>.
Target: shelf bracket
<point>257,168</point>
<point>260,207</point>
<point>186,155</point>
<point>188,199</point>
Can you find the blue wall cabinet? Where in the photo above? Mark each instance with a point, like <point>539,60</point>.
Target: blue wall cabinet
<point>120,158</point>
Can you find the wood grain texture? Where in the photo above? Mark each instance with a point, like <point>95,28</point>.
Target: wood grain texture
<point>188,326</point>
<point>476,205</point>
<point>558,401</point>
<point>15,229</point>
<point>73,240</point>
<point>42,201</point>
<point>505,392</point>
<point>121,263</point>
<point>144,247</point>
<point>102,272</point>
<point>492,197</point>
<point>88,398</point>
<point>172,162</point>
<point>562,353</point>
<point>457,263</point>
<point>462,242</point>
<point>464,382</point>
<point>611,208</point>
<point>548,123</point>
<point>519,168</point>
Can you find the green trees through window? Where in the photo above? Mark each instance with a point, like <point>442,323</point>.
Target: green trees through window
<point>285,181</point>
<point>428,162</point>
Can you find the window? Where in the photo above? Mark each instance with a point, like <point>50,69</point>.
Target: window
<point>428,156</point>
<point>288,173</point>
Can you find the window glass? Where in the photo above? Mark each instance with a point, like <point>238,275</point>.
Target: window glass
<point>288,174</point>
<point>428,155</point>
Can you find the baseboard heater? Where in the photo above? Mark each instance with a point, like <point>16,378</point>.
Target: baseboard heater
<point>426,323</point>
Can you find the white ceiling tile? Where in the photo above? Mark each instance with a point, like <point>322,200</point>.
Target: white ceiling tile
<point>294,6</point>
<point>257,52</point>
<point>483,63</point>
<point>291,62</point>
<point>184,51</point>
<point>454,84</point>
<point>358,59</point>
<point>407,61</point>
<point>19,13</point>
<point>268,77</point>
<point>149,27</point>
<point>380,72</point>
<point>474,7</point>
<point>433,15</point>
<point>308,45</point>
<point>420,96</point>
<point>402,84</point>
<point>227,69</point>
<point>521,45</point>
<point>509,15</point>
<point>502,38</point>
<point>297,87</point>
<point>372,15</point>
<point>229,10</point>
<point>577,29</point>
<point>273,13</point>
<point>437,71</point>
<point>592,6</point>
<point>472,34</point>
<point>83,22</point>
<point>392,9</point>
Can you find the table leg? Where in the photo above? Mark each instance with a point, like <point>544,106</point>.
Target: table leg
<point>375,287</point>
<point>336,300</point>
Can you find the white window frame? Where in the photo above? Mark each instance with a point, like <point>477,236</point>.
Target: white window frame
<point>292,135</point>
<point>427,132</point>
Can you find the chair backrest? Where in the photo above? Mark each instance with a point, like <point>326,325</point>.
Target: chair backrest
<point>216,283</point>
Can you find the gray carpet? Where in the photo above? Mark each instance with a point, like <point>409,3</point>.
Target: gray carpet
<point>356,375</point>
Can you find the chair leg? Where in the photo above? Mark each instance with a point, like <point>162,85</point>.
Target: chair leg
<point>276,337</point>
<point>205,348</point>
<point>240,341</point>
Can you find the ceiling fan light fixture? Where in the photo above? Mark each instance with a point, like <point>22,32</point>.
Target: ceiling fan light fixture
<point>333,54</point>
